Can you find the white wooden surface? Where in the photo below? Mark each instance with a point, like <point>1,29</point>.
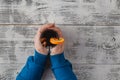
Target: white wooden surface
<point>91,29</point>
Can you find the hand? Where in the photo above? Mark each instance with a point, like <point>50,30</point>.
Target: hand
<point>58,49</point>
<point>37,43</point>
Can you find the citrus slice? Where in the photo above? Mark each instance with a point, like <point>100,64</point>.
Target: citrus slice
<point>56,40</point>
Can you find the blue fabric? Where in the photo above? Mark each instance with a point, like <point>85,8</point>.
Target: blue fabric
<point>35,65</point>
<point>62,68</point>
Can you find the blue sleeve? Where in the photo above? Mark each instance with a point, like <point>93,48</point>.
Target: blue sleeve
<point>62,68</point>
<point>33,68</point>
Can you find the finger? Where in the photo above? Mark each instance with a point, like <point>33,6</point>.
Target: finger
<point>44,44</point>
<point>37,36</point>
<point>43,40</point>
<point>37,40</point>
<point>44,27</point>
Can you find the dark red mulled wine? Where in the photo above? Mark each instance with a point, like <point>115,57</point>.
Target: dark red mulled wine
<point>47,34</point>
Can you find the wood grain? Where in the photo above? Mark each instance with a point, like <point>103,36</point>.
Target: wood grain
<point>91,29</point>
<point>83,12</point>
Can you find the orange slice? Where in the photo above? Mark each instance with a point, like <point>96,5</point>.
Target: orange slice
<point>56,40</point>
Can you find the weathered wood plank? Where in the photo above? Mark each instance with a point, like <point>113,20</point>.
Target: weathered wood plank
<point>97,72</point>
<point>83,72</point>
<point>90,44</point>
<point>93,50</point>
<point>96,45</point>
<point>83,12</point>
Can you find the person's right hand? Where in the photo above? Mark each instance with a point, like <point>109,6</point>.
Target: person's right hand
<point>59,48</point>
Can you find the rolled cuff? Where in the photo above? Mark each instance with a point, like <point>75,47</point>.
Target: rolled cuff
<point>58,60</point>
<point>39,58</point>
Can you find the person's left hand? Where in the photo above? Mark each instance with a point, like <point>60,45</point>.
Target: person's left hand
<point>37,42</point>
